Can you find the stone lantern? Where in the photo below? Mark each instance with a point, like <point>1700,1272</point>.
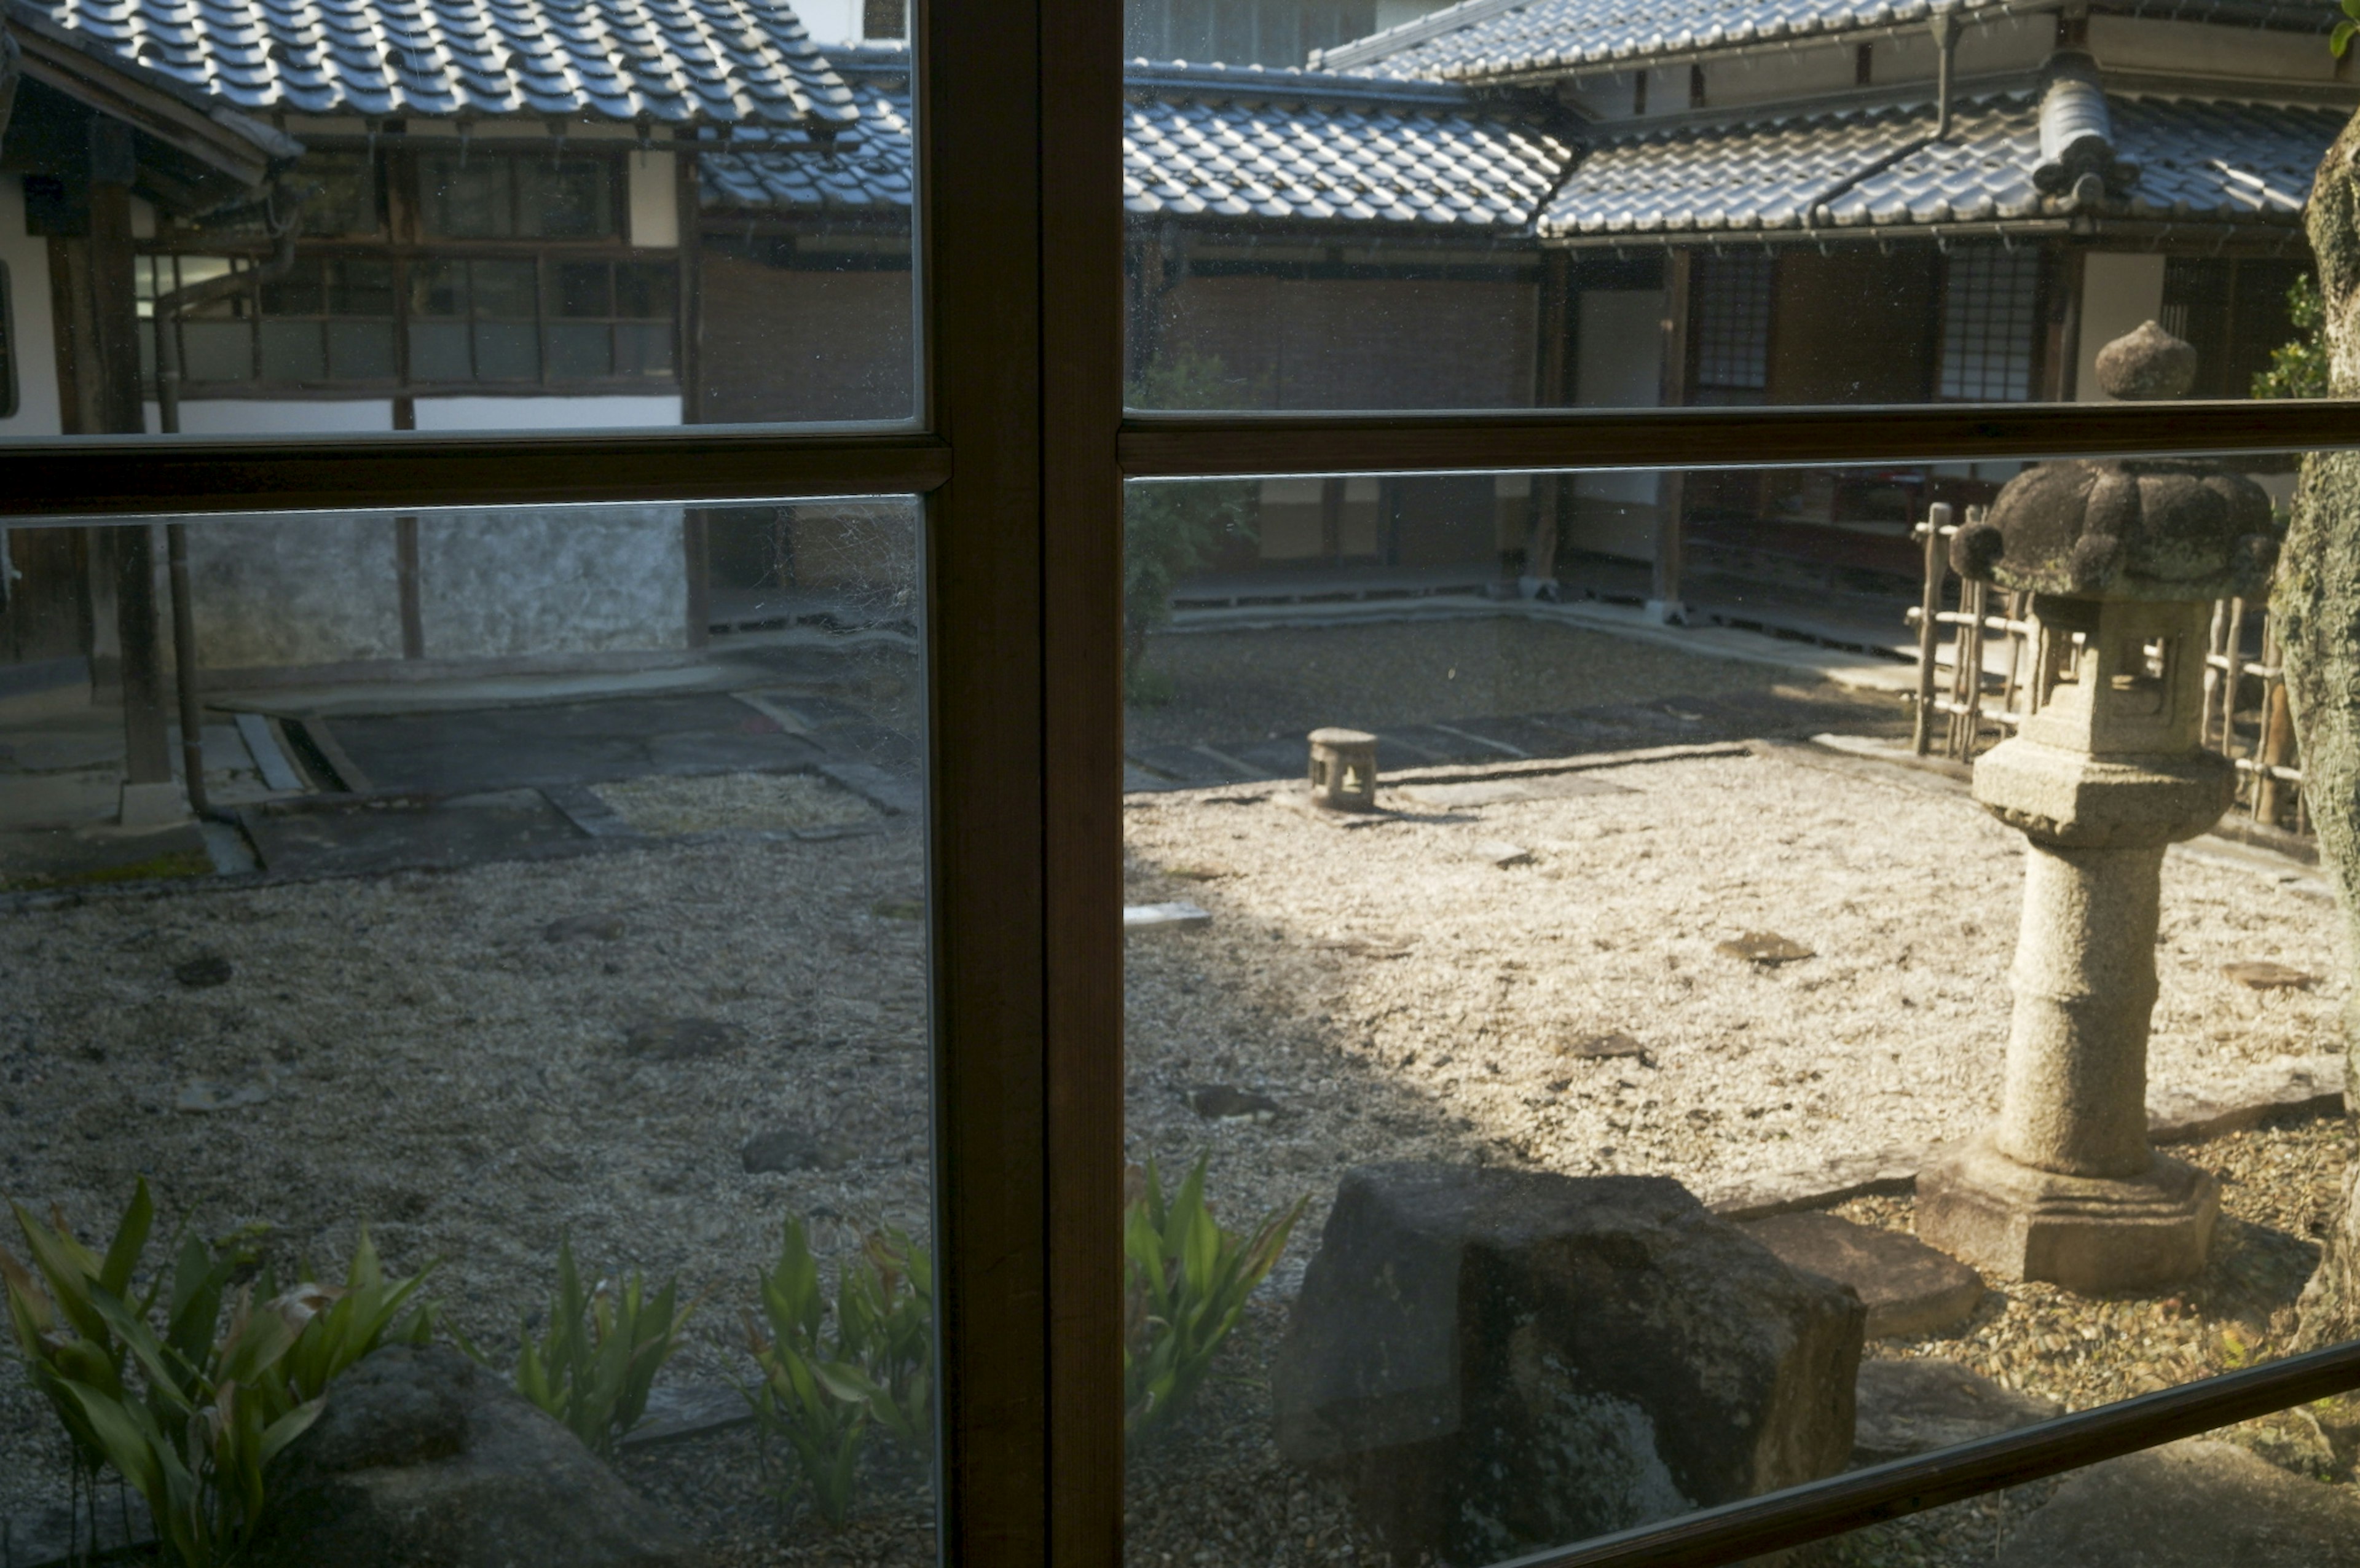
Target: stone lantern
<point>2123,561</point>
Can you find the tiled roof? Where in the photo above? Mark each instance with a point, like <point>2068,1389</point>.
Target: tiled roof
<point>672,62</point>
<point>2194,161</point>
<point>865,166</point>
<point>1215,141</point>
<point>1479,39</point>
<point>1206,140</point>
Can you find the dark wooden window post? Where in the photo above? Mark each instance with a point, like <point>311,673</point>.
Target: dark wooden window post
<point>1663,600</point>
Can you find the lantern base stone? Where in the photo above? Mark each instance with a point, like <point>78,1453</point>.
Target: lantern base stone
<point>2085,1232</point>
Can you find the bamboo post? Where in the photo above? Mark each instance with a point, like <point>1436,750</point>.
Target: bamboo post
<point>1937,517</point>
<point>2277,736</point>
<point>2213,643</point>
<point>2233,675</point>
<point>2014,612</point>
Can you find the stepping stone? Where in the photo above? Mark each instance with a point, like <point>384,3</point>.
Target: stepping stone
<point>783,1149</point>
<point>1910,1290</point>
<point>1917,1407</point>
<point>679,1040</point>
<point>603,928</point>
<point>1765,948</point>
<point>1500,853</point>
<point>2260,975</point>
<point>203,972</point>
<point>1179,915</point>
<point>1510,791</point>
<point>2196,1504</point>
<point>1221,1103</point>
<point>1595,1047</point>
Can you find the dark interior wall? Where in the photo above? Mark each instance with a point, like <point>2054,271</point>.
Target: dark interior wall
<point>782,342</point>
<point>1360,342</point>
<point>1854,326</point>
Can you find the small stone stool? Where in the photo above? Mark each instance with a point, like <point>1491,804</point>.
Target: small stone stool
<point>1344,770</point>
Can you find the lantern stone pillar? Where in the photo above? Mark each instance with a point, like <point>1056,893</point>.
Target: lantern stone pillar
<point>2124,560</point>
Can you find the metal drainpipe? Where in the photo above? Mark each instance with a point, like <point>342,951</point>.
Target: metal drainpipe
<point>1946,44</point>
<point>168,310</point>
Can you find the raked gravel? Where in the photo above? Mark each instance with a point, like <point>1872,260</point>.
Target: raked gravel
<point>411,1052</point>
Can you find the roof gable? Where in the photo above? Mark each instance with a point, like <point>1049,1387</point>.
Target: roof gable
<point>664,62</point>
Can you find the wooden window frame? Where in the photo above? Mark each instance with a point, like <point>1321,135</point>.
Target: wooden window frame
<point>1021,454</point>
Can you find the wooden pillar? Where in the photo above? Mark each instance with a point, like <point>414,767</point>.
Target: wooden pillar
<point>104,342</point>
<point>696,524</point>
<point>1664,601</point>
<point>1553,389</point>
<point>2061,342</point>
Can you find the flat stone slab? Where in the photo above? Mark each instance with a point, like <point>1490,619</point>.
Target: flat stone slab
<point>2312,1086</point>
<point>1879,1172</point>
<point>684,1411</point>
<point>1180,915</point>
<point>1909,1289</point>
<point>341,836</point>
<point>2197,1503</point>
<point>1903,1407</point>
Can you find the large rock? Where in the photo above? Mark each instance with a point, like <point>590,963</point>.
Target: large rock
<point>1498,1361</point>
<point>421,1460</point>
<point>2196,1504</point>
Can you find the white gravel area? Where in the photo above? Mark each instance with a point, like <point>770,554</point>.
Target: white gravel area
<point>413,1054</point>
<point>1400,996</point>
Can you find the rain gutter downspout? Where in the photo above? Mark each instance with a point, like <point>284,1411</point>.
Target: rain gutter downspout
<point>1946,49</point>
<point>168,310</point>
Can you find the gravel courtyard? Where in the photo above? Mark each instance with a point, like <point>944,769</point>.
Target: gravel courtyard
<point>475,1063</point>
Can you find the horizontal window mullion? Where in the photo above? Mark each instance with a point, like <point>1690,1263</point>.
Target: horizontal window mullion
<point>1818,1509</point>
<point>1219,445</point>
<point>105,478</point>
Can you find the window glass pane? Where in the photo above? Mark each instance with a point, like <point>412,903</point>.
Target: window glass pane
<point>585,288</point>
<point>296,292</point>
<point>504,288</point>
<point>775,219</point>
<point>438,288</point>
<point>360,288</point>
<point>643,348</point>
<point>213,350</point>
<point>566,199</point>
<point>343,193</point>
<point>1547,914</point>
<point>580,350</point>
<point>540,912</point>
<point>1529,206</point>
<point>438,351</point>
<point>360,351</point>
<point>467,197</point>
<point>646,288</point>
<point>293,351</point>
<point>507,350</point>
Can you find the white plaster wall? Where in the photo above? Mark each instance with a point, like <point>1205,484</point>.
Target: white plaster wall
<point>275,592</point>
<point>831,21</point>
<point>2134,43</point>
<point>1749,79</point>
<point>2009,43</point>
<point>2118,292</point>
<point>526,584</point>
<point>278,417</point>
<point>1620,366</point>
<point>547,413</point>
<point>655,201</point>
<point>33,339</point>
